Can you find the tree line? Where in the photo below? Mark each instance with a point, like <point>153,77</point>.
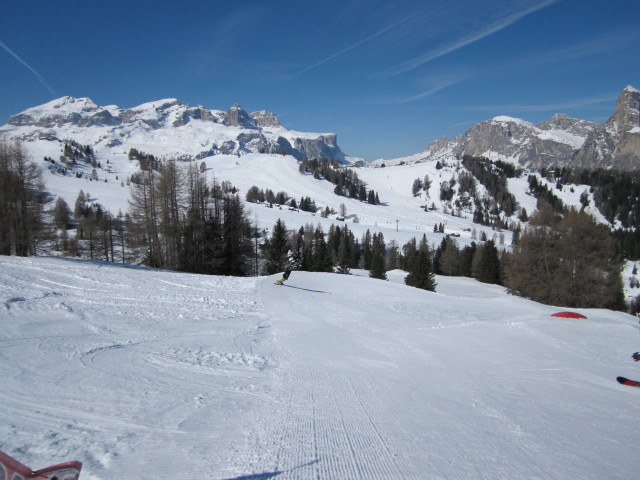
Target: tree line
<point>346,180</point>
<point>616,195</point>
<point>182,220</point>
<point>22,202</point>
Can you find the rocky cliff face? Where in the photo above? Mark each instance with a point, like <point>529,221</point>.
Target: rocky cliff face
<point>616,143</point>
<point>561,140</point>
<point>166,128</point>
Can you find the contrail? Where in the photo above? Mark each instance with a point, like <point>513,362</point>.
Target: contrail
<point>40,78</point>
<point>371,37</point>
<point>490,29</point>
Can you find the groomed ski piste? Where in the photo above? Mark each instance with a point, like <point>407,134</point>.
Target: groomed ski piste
<point>141,373</point>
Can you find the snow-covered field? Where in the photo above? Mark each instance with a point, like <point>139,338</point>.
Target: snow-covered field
<point>141,373</point>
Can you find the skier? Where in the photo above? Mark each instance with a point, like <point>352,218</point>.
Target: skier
<point>636,356</point>
<point>285,276</point>
<point>626,381</point>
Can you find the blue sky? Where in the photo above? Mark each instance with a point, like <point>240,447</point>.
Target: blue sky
<point>387,76</point>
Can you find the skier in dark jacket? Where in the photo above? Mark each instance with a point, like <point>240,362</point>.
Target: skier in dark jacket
<point>285,276</point>
<point>636,356</point>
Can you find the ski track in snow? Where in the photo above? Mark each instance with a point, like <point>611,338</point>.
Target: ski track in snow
<point>141,373</point>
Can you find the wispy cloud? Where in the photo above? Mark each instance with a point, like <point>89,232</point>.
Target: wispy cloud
<point>40,78</point>
<point>436,83</point>
<point>458,43</point>
<point>549,107</point>
<point>428,86</point>
<point>225,34</point>
<point>351,47</point>
<point>602,44</point>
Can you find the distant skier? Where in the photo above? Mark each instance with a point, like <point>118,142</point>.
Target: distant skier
<point>636,356</point>
<point>285,276</point>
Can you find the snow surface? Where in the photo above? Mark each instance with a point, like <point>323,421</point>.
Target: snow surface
<point>142,373</point>
<point>507,119</point>
<point>562,136</point>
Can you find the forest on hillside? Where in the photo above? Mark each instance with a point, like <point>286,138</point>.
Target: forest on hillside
<point>180,220</point>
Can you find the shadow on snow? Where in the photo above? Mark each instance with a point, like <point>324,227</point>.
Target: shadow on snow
<point>305,289</point>
<point>267,475</point>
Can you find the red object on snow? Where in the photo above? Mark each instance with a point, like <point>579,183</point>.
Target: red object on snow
<point>14,469</point>
<point>568,315</point>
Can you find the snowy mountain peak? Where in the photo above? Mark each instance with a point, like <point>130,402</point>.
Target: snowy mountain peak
<point>265,119</point>
<point>616,143</point>
<point>83,103</point>
<point>507,119</point>
<point>627,114</point>
<point>237,117</point>
<point>561,140</point>
<point>166,128</point>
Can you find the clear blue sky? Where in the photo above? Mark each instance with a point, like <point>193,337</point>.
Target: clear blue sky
<point>387,76</point>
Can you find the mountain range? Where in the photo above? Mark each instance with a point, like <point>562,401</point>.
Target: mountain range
<point>558,141</point>
<point>169,128</point>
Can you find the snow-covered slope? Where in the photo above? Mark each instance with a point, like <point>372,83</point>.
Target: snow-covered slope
<point>141,373</point>
<point>400,217</point>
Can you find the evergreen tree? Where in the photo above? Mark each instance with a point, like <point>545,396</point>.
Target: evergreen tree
<point>276,250</point>
<point>367,252</point>
<point>447,258</point>
<point>421,274</point>
<point>297,249</point>
<point>322,257</point>
<point>344,265</point>
<point>378,269</point>
<point>466,260</point>
<point>236,232</point>
<point>488,270</point>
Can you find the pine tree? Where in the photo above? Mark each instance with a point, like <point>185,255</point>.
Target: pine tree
<point>466,260</point>
<point>236,231</point>
<point>322,257</point>
<point>488,263</point>
<point>344,252</point>
<point>377,266</point>
<point>276,250</point>
<point>378,269</point>
<point>421,274</point>
<point>367,252</point>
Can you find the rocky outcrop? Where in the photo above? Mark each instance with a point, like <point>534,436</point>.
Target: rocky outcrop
<point>265,119</point>
<point>237,117</point>
<point>616,143</point>
<point>324,146</point>
<point>561,140</point>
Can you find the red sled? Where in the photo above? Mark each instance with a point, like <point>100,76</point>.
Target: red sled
<point>14,470</point>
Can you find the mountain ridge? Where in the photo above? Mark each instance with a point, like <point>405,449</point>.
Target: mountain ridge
<point>559,141</point>
<point>167,127</point>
